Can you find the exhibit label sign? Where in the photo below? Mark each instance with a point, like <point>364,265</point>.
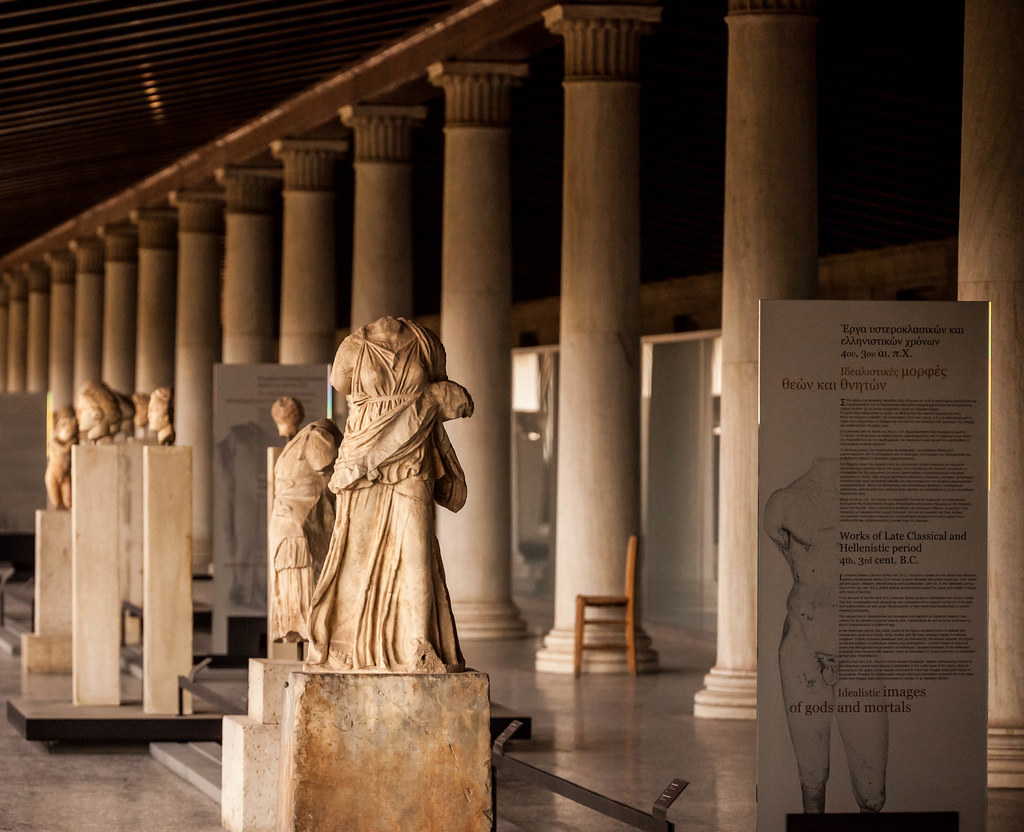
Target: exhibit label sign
<point>872,613</point>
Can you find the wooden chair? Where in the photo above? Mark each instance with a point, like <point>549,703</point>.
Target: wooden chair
<point>625,602</point>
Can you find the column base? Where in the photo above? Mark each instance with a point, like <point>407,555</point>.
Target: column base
<point>727,694</point>
<point>1006,758</point>
<point>557,654</point>
<point>482,621</point>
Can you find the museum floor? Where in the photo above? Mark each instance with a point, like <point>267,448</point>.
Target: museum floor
<point>625,738</point>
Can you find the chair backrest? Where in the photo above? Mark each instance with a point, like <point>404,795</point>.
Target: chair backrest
<point>631,558</point>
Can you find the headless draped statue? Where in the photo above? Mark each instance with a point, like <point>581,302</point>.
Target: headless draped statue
<point>381,603</point>
<point>57,476</point>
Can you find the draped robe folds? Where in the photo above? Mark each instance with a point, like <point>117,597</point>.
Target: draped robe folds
<point>381,603</point>
<point>300,525</point>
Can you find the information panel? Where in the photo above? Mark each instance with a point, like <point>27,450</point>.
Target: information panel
<point>872,627</point>
<point>242,431</point>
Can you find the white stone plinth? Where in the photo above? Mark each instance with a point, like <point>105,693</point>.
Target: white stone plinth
<point>374,751</point>
<point>95,587</point>
<point>267,679</point>
<point>129,520</point>
<point>250,759</point>
<point>48,648</point>
<point>167,568</point>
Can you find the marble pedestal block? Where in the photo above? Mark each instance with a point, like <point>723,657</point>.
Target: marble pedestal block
<point>95,585</point>
<point>129,521</point>
<point>376,751</point>
<point>47,649</point>
<point>167,581</point>
<point>252,751</point>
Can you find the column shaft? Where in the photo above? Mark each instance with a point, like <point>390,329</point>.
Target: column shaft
<point>308,291</point>
<point>120,306</point>
<point>3,335</point>
<point>17,331</point>
<point>197,349</point>
<point>158,264</point>
<point>991,268</point>
<point>770,251</point>
<point>476,301</point>
<point>251,194</point>
<point>62,327</point>
<point>37,366</point>
<point>382,261</point>
<point>599,356</point>
<point>88,309</point>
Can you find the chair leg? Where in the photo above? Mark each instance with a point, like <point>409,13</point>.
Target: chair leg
<point>577,660</point>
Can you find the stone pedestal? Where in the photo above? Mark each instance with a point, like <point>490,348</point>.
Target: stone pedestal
<point>373,752</point>
<point>95,587</point>
<point>252,751</point>
<point>130,532</point>
<point>47,649</point>
<point>167,587</point>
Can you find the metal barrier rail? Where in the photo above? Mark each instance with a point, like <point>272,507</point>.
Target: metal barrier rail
<point>654,821</point>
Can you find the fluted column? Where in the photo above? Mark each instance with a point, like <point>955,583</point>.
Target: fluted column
<point>120,305</point>
<point>308,291</point>
<point>991,268</point>
<point>3,336</point>
<point>17,330</point>
<point>251,194</point>
<point>62,327</point>
<point>158,266</point>
<point>382,270</point>
<point>197,349</point>
<point>89,269</point>
<point>770,251</point>
<point>37,366</point>
<point>476,304</point>
<point>599,356</point>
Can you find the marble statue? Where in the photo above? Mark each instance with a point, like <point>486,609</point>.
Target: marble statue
<point>140,401</point>
<point>381,602</point>
<point>98,411</point>
<point>287,413</point>
<point>126,427</point>
<point>802,520</point>
<point>160,415</point>
<point>58,466</point>
<point>301,521</point>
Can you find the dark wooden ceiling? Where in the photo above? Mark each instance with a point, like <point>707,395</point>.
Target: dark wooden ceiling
<point>97,95</point>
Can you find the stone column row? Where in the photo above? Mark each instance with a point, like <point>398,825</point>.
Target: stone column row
<point>62,328</point>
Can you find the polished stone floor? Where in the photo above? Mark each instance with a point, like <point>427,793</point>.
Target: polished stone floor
<point>622,737</point>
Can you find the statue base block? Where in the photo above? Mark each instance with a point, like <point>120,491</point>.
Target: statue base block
<point>383,751</point>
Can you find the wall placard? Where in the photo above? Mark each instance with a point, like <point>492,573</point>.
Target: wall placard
<point>872,614</point>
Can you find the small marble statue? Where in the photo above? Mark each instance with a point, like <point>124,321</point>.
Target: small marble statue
<point>58,467</point>
<point>381,602</point>
<point>287,413</point>
<point>126,427</point>
<point>300,524</point>
<point>160,415</point>
<point>99,413</point>
<point>140,401</point>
